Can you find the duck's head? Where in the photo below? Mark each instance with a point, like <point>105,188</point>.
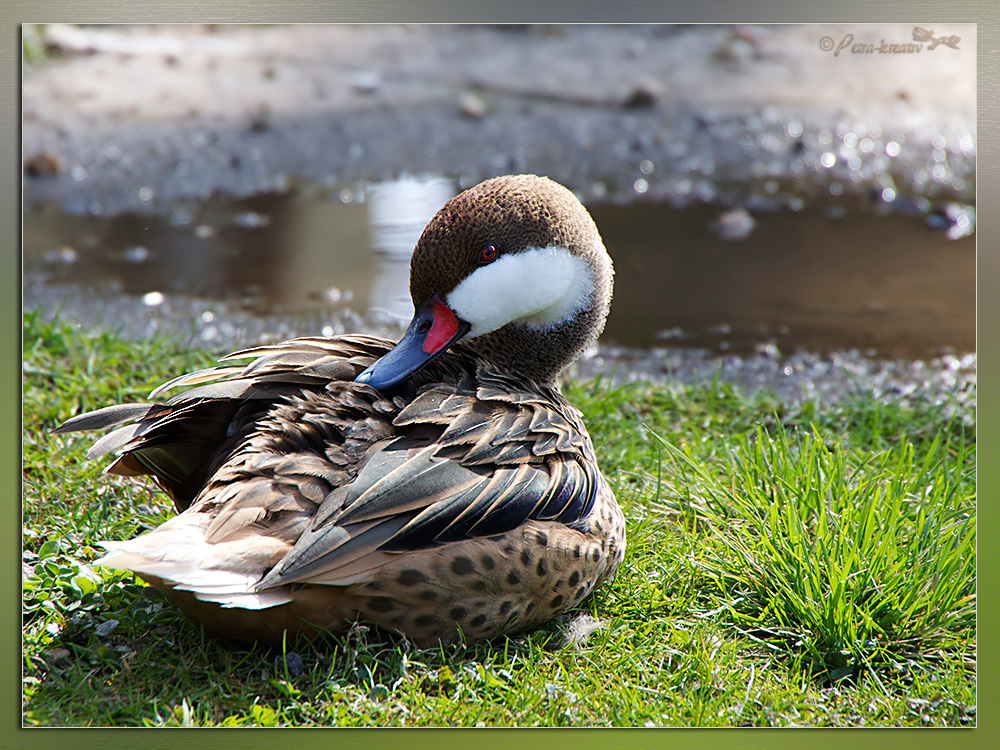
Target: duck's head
<point>516,267</point>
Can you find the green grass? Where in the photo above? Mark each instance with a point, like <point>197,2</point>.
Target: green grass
<point>786,566</point>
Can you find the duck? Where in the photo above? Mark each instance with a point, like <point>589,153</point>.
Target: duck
<point>440,486</point>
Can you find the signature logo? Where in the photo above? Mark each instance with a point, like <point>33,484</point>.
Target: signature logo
<point>923,35</point>
<point>922,38</point>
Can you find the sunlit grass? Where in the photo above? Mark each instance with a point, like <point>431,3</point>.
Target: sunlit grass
<point>785,566</point>
<point>856,560</point>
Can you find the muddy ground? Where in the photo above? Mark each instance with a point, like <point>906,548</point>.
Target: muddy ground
<point>719,112</point>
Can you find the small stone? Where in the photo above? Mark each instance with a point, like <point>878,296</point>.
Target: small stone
<point>105,628</point>
<point>251,220</point>
<point>44,164</point>
<point>643,95</point>
<point>736,224</point>
<point>136,254</point>
<point>472,104</point>
<point>366,82</point>
<point>293,663</point>
<point>258,124</point>
<point>64,255</point>
<point>57,656</point>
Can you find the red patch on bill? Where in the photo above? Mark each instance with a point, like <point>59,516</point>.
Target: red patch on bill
<point>442,331</point>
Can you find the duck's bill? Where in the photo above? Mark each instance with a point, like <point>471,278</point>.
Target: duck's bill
<point>433,329</point>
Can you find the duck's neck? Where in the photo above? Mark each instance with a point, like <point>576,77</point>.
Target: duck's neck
<point>541,345</point>
<point>541,353</point>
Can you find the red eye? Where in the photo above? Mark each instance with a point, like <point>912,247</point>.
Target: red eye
<point>488,255</point>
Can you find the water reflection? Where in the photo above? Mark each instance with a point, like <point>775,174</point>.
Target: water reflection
<point>869,280</point>
<point>397,214</point>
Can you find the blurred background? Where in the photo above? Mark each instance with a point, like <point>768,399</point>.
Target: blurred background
<point>787,206</point>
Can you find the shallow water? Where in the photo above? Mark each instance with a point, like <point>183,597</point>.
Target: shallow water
<point>891,280</point>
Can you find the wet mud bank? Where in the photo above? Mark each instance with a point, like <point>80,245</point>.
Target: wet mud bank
<point>138,118</point>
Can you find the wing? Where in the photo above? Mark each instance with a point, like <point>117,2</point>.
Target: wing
<point>476,458</point>
<point>292,473</point>
<point>182,442</point>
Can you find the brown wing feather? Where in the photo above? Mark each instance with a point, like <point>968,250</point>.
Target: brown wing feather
<point>289,446</point>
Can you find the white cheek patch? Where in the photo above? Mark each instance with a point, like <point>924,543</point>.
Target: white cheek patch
<point>540,286</point>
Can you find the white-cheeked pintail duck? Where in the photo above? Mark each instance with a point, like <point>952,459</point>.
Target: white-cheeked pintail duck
<point>440,487</point>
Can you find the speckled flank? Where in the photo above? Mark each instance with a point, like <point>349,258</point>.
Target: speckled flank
<point>495,586</point>
<point>463,502</point>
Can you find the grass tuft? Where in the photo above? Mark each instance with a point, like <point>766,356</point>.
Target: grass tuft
<point>859,560</point>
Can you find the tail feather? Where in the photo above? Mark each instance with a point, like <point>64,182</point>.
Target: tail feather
<point>225,587</point>
<point>109,416</point>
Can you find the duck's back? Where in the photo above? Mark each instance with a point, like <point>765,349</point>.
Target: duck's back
<point>463,500</point>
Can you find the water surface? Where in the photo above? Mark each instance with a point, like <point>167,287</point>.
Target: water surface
<point>835,275</point>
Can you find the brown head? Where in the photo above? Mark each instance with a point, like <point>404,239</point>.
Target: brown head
<point>517,268</point>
